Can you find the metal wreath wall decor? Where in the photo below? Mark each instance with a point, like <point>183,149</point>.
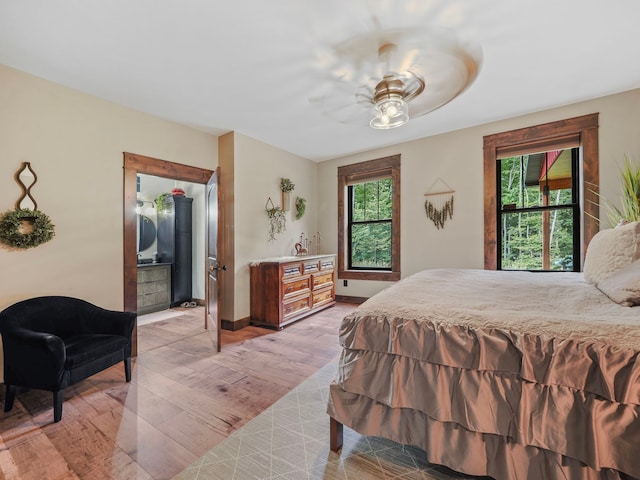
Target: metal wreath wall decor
<point>25,227</point>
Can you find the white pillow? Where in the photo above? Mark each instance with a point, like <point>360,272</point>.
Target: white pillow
<point>610,250</point>
<point>623,286</point>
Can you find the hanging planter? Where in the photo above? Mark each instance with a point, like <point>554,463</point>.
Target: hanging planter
<point>25,228</point>
<point>286,186</point>
<point>277,220</point>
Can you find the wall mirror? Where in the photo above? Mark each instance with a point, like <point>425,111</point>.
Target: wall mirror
<point>146,232</point>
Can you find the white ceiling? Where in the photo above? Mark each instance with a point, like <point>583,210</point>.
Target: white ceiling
<point>252,66</point>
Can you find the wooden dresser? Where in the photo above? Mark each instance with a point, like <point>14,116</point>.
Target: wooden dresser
<point>286,289</point>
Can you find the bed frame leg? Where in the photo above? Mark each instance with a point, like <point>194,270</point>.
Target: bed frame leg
<point>335,435</point>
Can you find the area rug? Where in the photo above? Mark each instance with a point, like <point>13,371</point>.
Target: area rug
<point>290,441</point>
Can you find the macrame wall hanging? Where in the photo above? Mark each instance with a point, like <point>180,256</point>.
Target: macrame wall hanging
<point>439,203</point>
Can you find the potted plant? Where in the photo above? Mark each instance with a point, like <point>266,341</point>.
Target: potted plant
<point>629,210</point>
<point>277,220</point>
<point>162,202</point>
<point>301,206</point>
<point>286,186</point>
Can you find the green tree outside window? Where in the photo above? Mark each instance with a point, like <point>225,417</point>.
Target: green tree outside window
<point>370,212</point>
<point>524,214</point>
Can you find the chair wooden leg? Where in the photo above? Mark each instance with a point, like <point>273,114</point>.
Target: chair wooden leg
<point>9,397</point>
<point>127,369</point>
<point>335,435</point>
<point>58,396</point>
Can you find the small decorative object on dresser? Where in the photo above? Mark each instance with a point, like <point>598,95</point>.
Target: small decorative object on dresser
<point>286,289</point>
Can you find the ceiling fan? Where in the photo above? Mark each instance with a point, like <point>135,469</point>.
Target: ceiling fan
<point>386,77</point>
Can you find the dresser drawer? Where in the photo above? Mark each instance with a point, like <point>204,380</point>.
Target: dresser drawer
<point>153,274</point>
<point>291,270</point>
<point>326,264</point>
<point>294,286</point>
<point>322,296</point>
<point>296,305</point>
<point>322,279</point>
<point>311,266</point>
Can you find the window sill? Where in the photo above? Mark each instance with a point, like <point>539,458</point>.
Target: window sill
<point>369,275</point>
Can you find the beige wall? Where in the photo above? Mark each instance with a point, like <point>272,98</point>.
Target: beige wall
<point>457,158</point>
<point>258,168</point>
<point>75,143</point>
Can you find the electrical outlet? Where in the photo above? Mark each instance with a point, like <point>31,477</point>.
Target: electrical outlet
<point>345,283</point>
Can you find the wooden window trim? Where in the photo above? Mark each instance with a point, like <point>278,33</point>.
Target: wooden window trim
<point>543,136</point>
<point>348,174</point>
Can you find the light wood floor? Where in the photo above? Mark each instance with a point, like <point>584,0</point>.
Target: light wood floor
<point>182,400</point>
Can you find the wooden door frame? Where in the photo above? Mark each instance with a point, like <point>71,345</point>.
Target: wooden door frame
<point>219,214</point>
<point>133,165</point>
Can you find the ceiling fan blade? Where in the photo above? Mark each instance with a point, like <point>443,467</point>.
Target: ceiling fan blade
<point>431,67</point>
<point>365,99</point>
<point>442,85</point>
<point>409,60</point>
<point>350,109</point>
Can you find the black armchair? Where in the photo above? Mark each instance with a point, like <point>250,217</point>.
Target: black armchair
<point>52,342</point>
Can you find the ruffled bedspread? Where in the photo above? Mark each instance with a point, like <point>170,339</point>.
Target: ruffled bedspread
<point>508,374</point>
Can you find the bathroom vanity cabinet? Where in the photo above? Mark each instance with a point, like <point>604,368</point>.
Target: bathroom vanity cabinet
<point>154,287</point>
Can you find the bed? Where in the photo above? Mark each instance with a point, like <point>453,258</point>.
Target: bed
<point>513,375</point>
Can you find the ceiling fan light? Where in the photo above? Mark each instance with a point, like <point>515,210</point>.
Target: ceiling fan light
<point>390,112</point>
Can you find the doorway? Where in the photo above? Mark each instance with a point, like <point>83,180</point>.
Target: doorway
<point>171,245</point>
<point>133,165</point>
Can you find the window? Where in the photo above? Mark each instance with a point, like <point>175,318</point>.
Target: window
<point>541,195</point>
<point>539,214</point>
<point>369,220</point>
<point>369,224</point>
